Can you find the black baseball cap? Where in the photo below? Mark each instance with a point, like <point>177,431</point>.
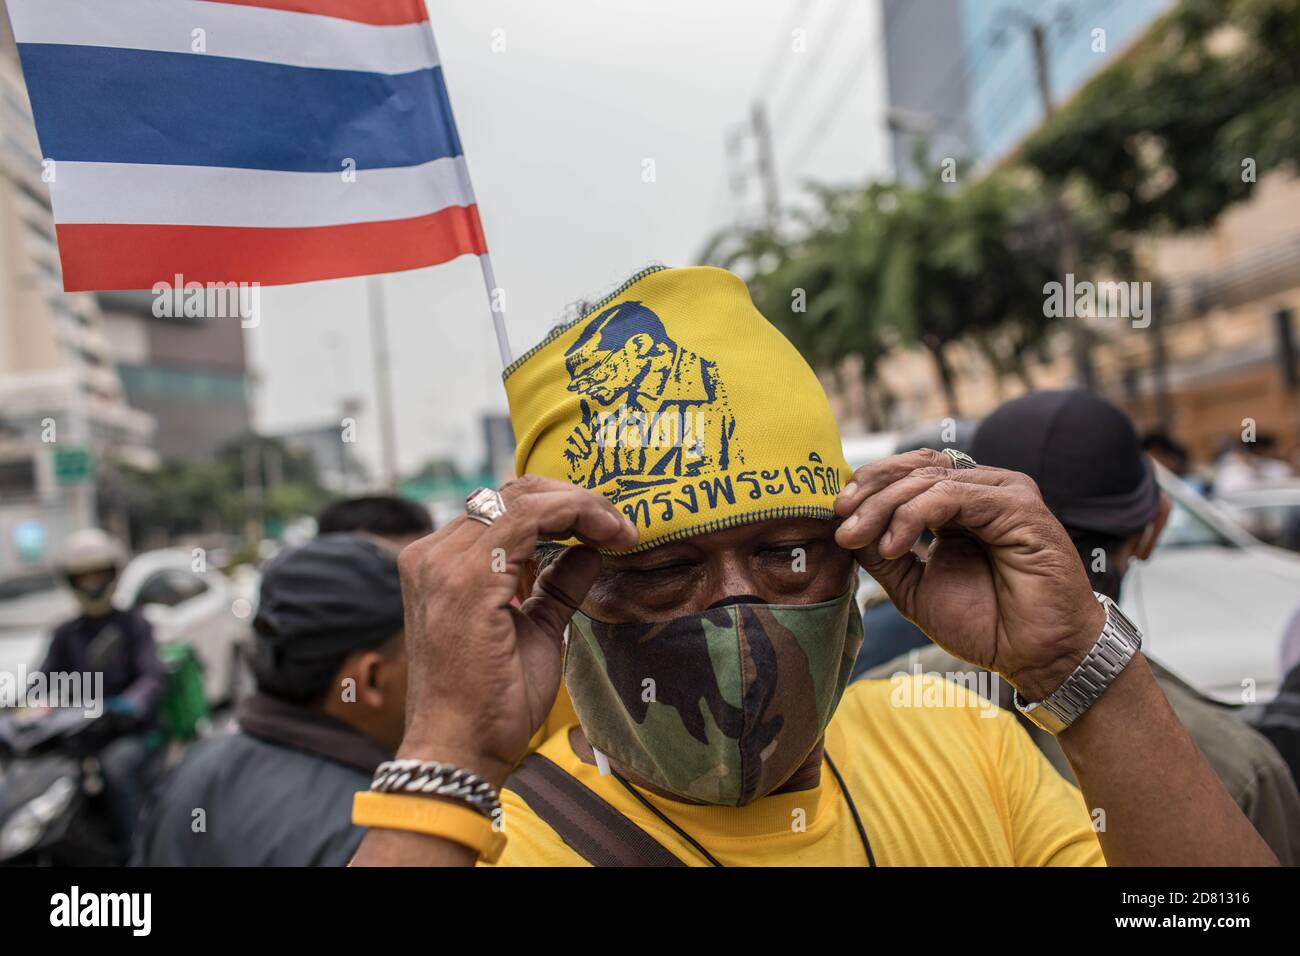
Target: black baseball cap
<point>334,595</point>
<point>1083,452</point>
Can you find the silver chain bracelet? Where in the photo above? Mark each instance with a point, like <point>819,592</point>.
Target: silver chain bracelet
<point>429,777</point>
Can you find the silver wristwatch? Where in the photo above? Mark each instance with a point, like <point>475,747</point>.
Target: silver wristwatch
<point>1119,642</point>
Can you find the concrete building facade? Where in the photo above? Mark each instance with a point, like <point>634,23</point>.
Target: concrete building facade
<point>65,423</point>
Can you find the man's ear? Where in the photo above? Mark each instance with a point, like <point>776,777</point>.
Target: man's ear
<point>364,668</point>
<point>1152,532</point>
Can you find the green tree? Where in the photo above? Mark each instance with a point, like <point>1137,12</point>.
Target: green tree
<point>253,478</point>
<point>892,265</point>
<point>1183,125</point>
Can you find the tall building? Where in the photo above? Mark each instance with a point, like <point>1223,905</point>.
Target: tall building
<point>190,374</point>
<point>338,468</point>
<point>120,385</point>
<point>962,73</point>
<point>926,105</point>
<point>65,423</point>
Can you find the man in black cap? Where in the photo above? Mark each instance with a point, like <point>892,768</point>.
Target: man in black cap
<point>1088,462</point>
<point>329,708</point>
<point>399,521</point>
<point>1090,468</point>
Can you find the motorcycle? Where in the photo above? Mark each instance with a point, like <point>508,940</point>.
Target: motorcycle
<point>52,802</point>
<point>53,807</point>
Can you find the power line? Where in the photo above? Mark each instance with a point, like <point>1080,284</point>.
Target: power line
<point>1008,90</point>
<point>759,128</point>
<point>781,55</point>
<point>832,112</point>
<point>806,78</point>
<point>1009,99</point>
<point>1010,95</point>
<point>835,105</point>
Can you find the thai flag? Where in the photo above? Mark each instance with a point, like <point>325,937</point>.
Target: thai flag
<point>267,141</point>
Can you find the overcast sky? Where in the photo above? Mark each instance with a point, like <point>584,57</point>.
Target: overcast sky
<point>556,128</point>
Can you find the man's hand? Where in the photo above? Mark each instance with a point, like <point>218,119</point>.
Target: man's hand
<point>482,673</point>
<point>1002,585</point>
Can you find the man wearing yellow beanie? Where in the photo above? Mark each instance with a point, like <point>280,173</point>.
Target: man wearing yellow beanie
<point>701,536</point>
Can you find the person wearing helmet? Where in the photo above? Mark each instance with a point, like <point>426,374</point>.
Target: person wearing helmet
<point>119,645</point>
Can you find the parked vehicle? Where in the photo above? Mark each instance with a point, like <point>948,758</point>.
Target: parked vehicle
<point>1270,514</point>
<point>1213,600</point>
<point>52,804</point>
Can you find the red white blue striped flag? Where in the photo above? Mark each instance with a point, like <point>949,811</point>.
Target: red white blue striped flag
<point>268,141</point>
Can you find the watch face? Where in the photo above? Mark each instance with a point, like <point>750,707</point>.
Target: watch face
<point>1043,717</point>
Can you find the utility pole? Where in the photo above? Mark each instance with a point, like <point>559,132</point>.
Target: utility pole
<point>383,381</point>
<point>254,489</point>
<point>766,162</point>
<point>758,131</point>
<point>1038,37</point>
<point>1070,257</point>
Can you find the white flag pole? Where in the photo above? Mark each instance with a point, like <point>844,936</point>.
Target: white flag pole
<point>484,260</point>
<point>498,312</point>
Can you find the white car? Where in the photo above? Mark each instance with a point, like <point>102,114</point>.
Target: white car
<point>206,609</point>
<point>1271,514</point>
<point>1212,601</point>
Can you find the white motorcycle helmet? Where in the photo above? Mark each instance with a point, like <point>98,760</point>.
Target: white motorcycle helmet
<point>92,552</point>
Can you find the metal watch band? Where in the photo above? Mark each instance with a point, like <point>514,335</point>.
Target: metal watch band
<point>1119,642</point>
<point>431,778</point>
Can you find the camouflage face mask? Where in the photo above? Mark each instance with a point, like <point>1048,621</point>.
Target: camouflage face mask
<point>718,707</point>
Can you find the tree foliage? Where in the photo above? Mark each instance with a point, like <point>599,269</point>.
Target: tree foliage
<point>894,265</point>
<point>1182,126</point>
<point>254,477</point>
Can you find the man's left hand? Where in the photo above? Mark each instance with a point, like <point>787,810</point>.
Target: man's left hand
<point>1002,585</point>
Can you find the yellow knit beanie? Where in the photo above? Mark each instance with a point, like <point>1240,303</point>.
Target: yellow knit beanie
<point>681,404</point>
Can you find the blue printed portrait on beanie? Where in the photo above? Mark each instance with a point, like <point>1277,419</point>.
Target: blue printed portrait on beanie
<point>652,411</point>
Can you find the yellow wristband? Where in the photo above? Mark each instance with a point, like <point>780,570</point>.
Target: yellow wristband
<point>416,814</point>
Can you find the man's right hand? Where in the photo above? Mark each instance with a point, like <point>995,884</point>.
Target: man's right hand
<point>483,674</point>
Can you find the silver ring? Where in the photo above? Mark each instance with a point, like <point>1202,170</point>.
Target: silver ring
<point>484,505</point>
<point>960,459</point>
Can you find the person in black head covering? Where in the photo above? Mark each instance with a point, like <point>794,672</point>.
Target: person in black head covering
<point>1088,462</point>
<point>331,695</point>
<point>399,521</point>
<point>1090,467</point>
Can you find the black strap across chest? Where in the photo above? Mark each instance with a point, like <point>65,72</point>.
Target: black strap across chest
<point>584,820</point>
<point>595,830</point>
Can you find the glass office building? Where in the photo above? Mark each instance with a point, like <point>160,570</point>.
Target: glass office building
<point>962,76</point>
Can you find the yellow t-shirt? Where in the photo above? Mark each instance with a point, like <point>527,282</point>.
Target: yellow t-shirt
<point>957,785</point>
<point>561,715</point>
